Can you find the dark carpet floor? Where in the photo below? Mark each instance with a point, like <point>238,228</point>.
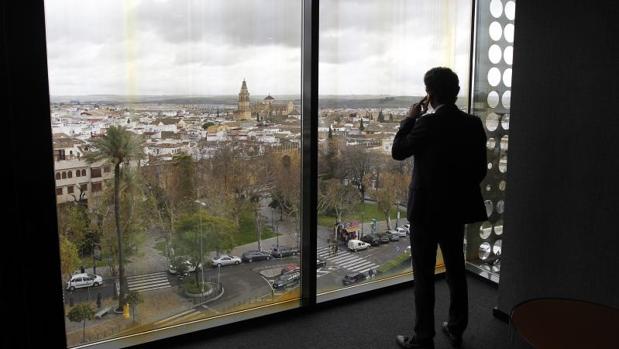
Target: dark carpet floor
<point>364,323</point>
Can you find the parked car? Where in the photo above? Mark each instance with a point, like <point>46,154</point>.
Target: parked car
<point>401,231</point>
<point>283,251</point>
<point>251,256</point>
<point>290,268</point>
<point>182,265</point>
<point>393,236</point>
<point>407,226</point>
<point>371,239</point>
<point>383,238</point>
<point>353,278</point>
<point>225,259</point>
<point>286,280</point>
<point>84,280</point>
<point>320,263</point>
<point>356,245</point>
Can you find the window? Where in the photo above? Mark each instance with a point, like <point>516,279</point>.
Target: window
<point>96,187</point>
<point>70,189</point>
<point>64,175</point>
<point>95,172</point>
<point>70,174</point>
<point>209,98</point>
<point>363,191</point>
<point>59,191</point>
<point>216,157</point>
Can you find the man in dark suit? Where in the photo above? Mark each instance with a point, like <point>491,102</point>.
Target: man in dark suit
<point>449,149</point>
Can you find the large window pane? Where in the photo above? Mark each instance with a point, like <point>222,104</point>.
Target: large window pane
<point>491,102</point>
<point>176,128</point>
<point>373,55</point>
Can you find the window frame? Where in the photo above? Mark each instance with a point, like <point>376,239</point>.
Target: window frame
<point>24,41</point>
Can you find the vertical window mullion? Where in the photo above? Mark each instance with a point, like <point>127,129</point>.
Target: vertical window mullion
<point>309,146</point>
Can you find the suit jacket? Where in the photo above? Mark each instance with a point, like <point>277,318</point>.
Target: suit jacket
<point>449,149</point>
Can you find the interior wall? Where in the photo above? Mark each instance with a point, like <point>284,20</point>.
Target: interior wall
<point>562,204</point>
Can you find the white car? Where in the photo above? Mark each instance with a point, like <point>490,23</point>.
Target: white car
<point>399,231</point>
<point>84,280</point>
<point>225,259</point>
<point>356,245</point>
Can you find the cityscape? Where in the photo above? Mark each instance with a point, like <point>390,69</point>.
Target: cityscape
<point>208,204</point>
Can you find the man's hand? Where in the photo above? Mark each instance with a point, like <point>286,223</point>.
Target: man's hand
<point>418,108</point>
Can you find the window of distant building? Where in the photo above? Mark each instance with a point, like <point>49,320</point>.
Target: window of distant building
<point>96,187</point>
<point>70,174</point>
<point>70,189</point>
<point>95,172</point>
<point>59,191</point>
<point>78,173</point>
<point>84,173</point>
<point>64,175</point>
<point>57,175</point>
<point>84,187</point>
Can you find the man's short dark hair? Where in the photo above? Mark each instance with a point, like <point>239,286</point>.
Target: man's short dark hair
<point>443,84</point>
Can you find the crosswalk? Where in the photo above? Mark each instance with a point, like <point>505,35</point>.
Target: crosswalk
<point>346,260</point>
<point>148,282</point>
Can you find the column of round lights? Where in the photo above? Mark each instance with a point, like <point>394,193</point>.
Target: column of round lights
<point>496,55</point>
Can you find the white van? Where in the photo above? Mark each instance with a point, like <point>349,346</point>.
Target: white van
<point>356,245</point>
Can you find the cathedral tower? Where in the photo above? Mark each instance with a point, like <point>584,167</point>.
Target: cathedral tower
<point>244,112</point>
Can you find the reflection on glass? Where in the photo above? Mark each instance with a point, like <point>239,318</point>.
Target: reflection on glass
<point>507,77</point>
<point>498,228</point>
<point>510,10</point>
<point>496,265</point>
<point>506,99</point>
<point>489,207</point>
<point>489,165</point>
<point>508,55</point>
<point>505,122</point>
<point>496,8</point>
<point>502,185</point>
<point>494,54</point>
<point>503,164</point>
<point>485,230</point>
<point>493,99</point>
<point>494,76</point>
<point>484,251</point>
<point>504,143</point>
<point>491,143</point>
<point>495,31</point>
<point>496,248</point>
<point>488,187</point>
<point>500,206</point>
<point>492,121</point>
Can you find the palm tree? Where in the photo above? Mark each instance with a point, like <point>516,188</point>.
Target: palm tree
<point>118,146</point>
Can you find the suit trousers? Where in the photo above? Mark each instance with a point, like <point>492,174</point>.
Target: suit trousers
<point>424,241</point>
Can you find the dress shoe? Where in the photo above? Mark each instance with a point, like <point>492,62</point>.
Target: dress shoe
<point>413,342</point>
<point>454,339</point>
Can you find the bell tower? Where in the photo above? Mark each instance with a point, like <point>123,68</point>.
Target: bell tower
<point>244,111</point>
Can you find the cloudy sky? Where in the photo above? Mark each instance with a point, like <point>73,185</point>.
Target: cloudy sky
<point>207,47</point>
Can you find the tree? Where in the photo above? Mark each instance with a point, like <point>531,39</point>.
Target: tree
<point>134,298</point>
<point>81,313</point>
<point>118,147</point>
<point>385,195</point>
<point>69,257</point>
<point>198,233</point>
<point>336,197</point>
<point>381,116</point>
<point>355,166</point>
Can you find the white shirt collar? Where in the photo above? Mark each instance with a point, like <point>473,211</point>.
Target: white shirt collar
<point>432,110</point>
